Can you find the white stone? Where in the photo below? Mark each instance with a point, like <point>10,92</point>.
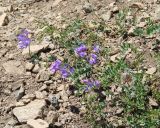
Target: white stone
<point>39,123</point>
<point>30,111</point>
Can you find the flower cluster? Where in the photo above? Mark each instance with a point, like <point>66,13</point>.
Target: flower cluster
<point>65,70</point>
<point>90,84</point>
<point>24,40</point>
<point>82,52</point>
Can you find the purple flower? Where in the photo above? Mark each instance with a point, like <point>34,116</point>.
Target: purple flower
<point>97,83</point>
<point>90,84</point>
<point>71,69</point>
<point>81,50</point>
<point>55,66</point>
<point>64,72</point>
<point>96,48</point>
<point>93,59</point>
<point>24,41</point>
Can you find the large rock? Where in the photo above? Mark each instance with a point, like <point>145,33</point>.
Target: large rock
<point>30,111</point>
<point>34,49</point>
<point>39,123</point>
<point>14,67</point>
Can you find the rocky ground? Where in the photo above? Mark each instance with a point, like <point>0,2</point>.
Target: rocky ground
<point>28,95</point>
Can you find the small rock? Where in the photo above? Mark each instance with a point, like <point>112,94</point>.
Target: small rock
<point>44,87</point>
<point>42,76</point>
<point>119,110</point>
<point>34,49</point>
<point>19,104</point>
<point>30,111</point>
<point>52,117</point>
<point>39,95</point>
<point>131,31</point>
<point>12,122</point>
<point>152,102</point>
<point>61,87</point>
<point>88,8</point>
<point>64,96</point>
<point>48,82</point>
<point>114,57</point>
<point>157,13</point>
<point>29,66</point>
<point>47,39</point>
<point>141,24</point>
<point>138,5</point>
<point>29,96</point>
<point>107,16</point>
<point>54,100</point>
<point>57,124</point>
<point>26,101</point>
<point>151,71</point>
<point>115,9</point>
<point>22,126</point>
<point>36,69</point>
<point>3,19</point>
<point>21,93</point>
<point>14,67</point>
<point>6,9</point>
<point>39,123</point>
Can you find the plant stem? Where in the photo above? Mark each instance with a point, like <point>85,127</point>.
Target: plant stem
<point>29,51</point>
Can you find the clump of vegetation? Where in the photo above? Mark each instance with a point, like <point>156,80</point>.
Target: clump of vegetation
<point>115,92</point>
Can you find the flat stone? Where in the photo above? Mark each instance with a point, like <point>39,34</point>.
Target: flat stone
<point>39,123</point>
<point>34,49</point>
<point>14,67</point>
<point>30,111</point>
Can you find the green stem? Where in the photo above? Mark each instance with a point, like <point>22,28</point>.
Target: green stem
<point>30,51</point>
